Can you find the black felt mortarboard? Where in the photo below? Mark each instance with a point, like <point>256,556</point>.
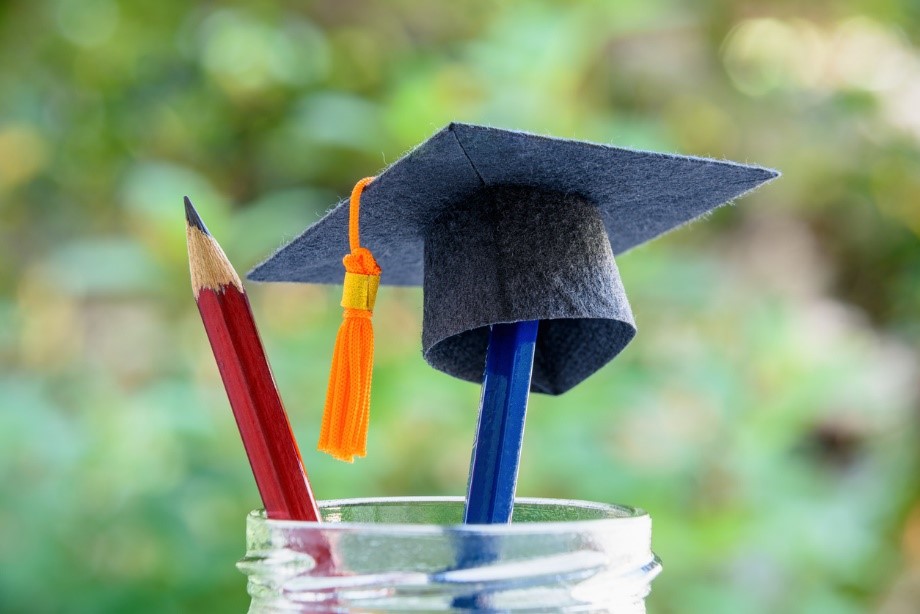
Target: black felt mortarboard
<point>502,226</point>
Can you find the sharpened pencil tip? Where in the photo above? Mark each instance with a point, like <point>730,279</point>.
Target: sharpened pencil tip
<point>192,217</point>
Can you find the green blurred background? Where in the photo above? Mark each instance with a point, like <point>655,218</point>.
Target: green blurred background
<point>766,414</point>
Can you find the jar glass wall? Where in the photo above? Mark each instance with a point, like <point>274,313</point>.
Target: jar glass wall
<point>413,554</point>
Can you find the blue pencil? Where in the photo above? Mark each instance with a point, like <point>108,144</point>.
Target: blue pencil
<point>500,433</point>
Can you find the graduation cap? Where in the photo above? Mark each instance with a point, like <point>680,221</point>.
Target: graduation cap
<point>500,226</point>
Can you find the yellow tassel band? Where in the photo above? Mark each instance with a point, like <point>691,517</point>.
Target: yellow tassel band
<point>360,291</point>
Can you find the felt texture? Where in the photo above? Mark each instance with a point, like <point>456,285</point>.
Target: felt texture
<point>508,254</point>
<point>635,195</point>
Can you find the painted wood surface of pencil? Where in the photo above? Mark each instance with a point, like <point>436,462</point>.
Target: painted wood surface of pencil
<point>500,432</point>
<point>266,433</point>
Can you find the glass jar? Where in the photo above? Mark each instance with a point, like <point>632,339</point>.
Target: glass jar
<point>413,555</point>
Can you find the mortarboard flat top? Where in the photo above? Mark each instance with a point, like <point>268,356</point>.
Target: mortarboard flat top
<point>504,226</point>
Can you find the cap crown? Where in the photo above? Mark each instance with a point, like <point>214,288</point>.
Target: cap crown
<point>509,254</point>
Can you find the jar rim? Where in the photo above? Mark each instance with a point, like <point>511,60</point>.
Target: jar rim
<point>619,516</point>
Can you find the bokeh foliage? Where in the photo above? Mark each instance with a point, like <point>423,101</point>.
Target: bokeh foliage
<point>766,414</point>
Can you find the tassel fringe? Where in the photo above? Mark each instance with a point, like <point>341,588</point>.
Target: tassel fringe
<point>345,417</point>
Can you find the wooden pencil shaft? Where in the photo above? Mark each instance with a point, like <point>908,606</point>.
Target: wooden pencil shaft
<point>257,407</point>
<point>500,431</point>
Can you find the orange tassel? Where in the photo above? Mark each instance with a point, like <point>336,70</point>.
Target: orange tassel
<point>345,418</point>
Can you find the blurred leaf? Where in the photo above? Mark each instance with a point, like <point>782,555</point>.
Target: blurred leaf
<point>102,267</point>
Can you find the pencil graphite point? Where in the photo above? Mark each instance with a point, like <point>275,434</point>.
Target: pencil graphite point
<point>208,264</point>
<point>192,217</point>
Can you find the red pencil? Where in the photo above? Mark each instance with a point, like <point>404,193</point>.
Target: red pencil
<point>257,407</point>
